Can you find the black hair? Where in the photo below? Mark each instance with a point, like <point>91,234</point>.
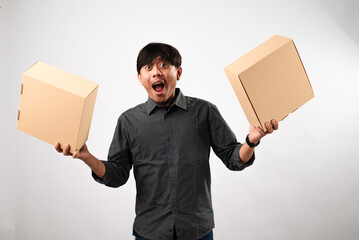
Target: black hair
<point>151,51</point>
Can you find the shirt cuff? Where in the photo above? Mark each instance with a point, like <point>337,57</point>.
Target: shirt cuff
<point>240,165</point>
<point>97,178</point>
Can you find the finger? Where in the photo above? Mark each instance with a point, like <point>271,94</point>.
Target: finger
<point>66,151</point>
<point>275,124</point>
<point>269,127</point>
<point>260,131</point>
<point>57,147</point>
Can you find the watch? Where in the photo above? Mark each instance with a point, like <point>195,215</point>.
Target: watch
<point>252,145</point>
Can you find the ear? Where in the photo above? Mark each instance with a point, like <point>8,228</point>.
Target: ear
<point>139,78</point>
<point>179,73</point>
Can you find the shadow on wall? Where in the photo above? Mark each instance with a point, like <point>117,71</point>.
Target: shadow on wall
<point>346,13</point>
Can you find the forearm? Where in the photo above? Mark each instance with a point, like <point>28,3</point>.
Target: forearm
<point>96,166</point>
<point>245,152</point>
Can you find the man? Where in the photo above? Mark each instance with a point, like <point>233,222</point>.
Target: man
<point>167,140</point>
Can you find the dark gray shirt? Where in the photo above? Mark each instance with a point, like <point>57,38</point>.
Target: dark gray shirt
<point>169,150</point>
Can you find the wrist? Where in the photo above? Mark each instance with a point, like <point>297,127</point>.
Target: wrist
<point>252,140</point>
<point>86,158</point>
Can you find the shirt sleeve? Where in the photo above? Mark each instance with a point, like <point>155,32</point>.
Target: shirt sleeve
<point>224,142</point>
<point>119,162</point>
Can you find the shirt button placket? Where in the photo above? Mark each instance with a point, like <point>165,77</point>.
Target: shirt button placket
<point>171,164</point>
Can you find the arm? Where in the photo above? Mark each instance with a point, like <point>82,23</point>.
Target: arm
<point>225,145</point>
<point>254,136</point>
<point>116,170</point>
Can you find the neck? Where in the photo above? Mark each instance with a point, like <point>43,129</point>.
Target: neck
<point>168,102</point>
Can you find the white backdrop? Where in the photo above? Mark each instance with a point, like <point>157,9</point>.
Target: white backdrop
<point>304,183</point>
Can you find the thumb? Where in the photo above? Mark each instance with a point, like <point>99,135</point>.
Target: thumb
<point>75,154</point>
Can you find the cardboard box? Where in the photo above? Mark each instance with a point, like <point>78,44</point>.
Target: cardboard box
<point>56,105</point>
<point>270,81</point>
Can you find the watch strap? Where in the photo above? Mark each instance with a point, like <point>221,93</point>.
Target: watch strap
<point>252,145</point>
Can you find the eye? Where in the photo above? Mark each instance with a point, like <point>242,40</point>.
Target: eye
<point>163,65</point>
<point>148,67</point>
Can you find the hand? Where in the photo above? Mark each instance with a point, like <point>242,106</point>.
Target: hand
<point>256,133</point>
<point>82,154</point>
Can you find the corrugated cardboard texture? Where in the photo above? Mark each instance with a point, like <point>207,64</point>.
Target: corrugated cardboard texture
<point>272,79</point>
<point>56,105</point>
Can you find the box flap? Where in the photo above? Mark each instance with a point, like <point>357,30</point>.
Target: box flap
<point>61,79</point>
<point>31,66</point>
<point>255,55</point>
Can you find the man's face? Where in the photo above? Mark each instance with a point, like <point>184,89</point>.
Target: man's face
<point>159,79</point>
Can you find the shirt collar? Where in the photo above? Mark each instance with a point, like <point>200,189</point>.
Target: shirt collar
<point>179,100</point>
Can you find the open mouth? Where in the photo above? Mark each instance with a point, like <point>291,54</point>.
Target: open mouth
<point>158,87</point>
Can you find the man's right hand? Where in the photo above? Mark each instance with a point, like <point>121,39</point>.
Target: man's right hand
<point>96,165</point>
<point>82,153</point>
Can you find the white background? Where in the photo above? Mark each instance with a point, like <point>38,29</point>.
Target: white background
<point>304,183</point>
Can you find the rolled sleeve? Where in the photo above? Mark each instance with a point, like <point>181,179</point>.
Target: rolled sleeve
<point>224,142</point>
<point>236,161</point>
<point>119,163</point>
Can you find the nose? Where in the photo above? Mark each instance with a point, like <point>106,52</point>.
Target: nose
<point>156,71</point>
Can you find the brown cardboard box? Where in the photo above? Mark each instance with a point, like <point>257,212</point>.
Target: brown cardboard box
<point>270,81</point>
<point>56,105</point>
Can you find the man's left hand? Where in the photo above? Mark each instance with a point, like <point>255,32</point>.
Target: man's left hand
<point>256,133</point>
